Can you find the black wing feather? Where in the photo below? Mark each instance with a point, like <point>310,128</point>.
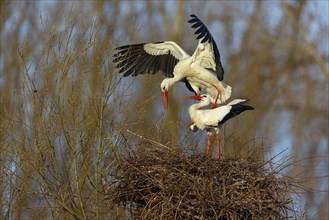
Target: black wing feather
<point>167,67</point>
<point>150,67</point>
<point>124,61</point>
<point>197,24</point>
<point>127,70</point>
<point>188,85</point>
<point>134,60</point>
<point>235,110</point>
<point>200,30</point>
<point>207,37</point>
<point>126,50</point>
<point>143,65</point>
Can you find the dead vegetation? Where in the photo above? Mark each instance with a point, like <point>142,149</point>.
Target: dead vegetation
<point>63,107</point>
<point>161,184</point>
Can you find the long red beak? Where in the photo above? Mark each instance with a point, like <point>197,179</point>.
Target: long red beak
<point>195,97</point>
<point>165,100</point>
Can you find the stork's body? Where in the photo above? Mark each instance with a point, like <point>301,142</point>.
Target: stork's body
<point>199,78</point>
<point>201,71</point>
<point>212,119</point>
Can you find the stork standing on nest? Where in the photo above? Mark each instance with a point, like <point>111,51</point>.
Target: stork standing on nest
<point>203,70</point>
<point>211,119</point>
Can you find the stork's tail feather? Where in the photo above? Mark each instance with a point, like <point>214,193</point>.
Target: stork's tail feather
<point>225,94</point>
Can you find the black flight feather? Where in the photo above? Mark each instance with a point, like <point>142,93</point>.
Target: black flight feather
<point>204,33</point>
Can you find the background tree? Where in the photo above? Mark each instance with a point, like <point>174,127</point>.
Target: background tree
<point>64,109</point>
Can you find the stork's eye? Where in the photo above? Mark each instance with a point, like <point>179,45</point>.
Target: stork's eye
<point>164,88</point>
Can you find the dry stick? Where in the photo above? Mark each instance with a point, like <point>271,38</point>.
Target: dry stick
<point>148,140</point>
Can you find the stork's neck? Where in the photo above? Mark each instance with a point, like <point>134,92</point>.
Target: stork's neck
<point>196,115</point>
<point>193,109</point>
<point>201,104</point>
<point>168,82</point>
<point>172,81</point>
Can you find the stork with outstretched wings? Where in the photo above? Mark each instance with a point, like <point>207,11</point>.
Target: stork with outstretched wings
<point>201,71</point>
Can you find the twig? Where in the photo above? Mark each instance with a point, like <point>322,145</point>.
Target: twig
<point>148,140</point>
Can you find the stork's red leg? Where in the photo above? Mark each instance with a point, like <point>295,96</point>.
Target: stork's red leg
<point>218,145</point>
<point>192,122</point>
<point>208,144</point>
<point>218,93</point>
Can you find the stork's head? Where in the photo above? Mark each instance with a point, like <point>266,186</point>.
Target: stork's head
<point>205,98</point>
<point>165,85</point>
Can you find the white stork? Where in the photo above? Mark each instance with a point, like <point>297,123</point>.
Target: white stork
<point>211,119</point>
<point>202,70</point>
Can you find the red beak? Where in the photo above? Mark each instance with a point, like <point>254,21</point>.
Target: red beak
<point>196,97</point>
<point>165,100</point>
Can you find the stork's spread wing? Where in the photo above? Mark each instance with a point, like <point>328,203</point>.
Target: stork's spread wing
<point>150,58</point>
<point>207,54</point>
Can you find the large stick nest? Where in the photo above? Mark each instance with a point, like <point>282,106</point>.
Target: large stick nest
<point>160,184</point>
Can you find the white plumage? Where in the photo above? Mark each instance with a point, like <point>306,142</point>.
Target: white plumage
<point>201,71</point>
<point>211,119</point>
<point>166,48</point>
